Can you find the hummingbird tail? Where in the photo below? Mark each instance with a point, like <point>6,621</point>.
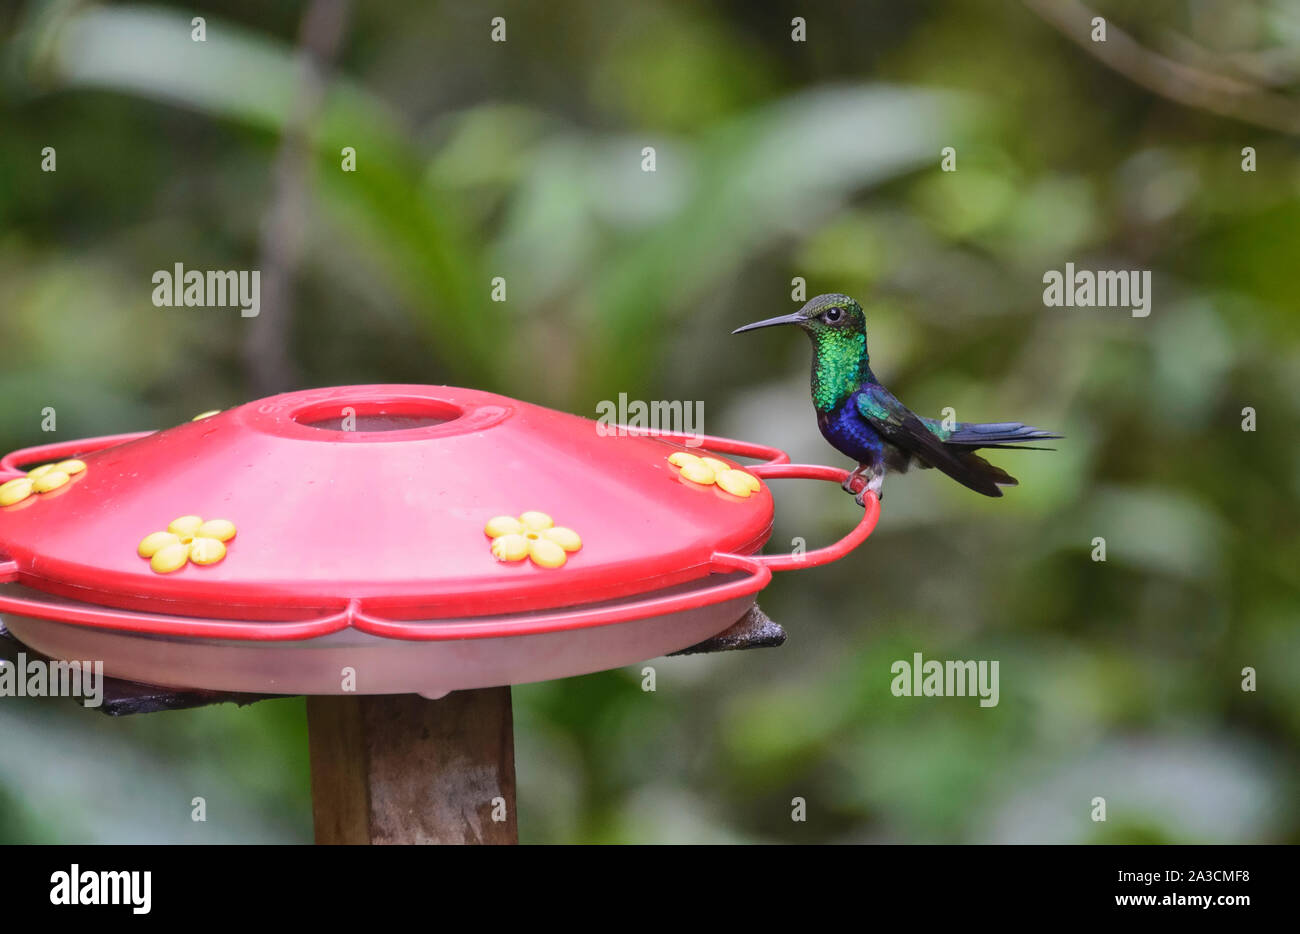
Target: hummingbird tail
<point>996,434</point>
<point>987,477</point>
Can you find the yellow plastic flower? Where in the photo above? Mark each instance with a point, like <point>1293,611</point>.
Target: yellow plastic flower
<point>44,479</point>
<point>709,471</point>
<point>187,539</point>
<point>531,535</point>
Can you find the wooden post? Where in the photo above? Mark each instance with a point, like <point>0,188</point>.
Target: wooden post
<point>403,769</point>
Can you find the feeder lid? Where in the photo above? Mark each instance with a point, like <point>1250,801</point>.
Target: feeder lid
<point>379,494</point>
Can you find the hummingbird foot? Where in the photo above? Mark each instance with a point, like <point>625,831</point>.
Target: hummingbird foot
<point>852,478</point>
<point>875,485</point>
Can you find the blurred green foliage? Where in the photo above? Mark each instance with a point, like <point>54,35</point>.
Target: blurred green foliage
<point>775,159</point>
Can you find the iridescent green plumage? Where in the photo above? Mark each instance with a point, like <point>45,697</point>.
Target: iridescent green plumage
<point>839,367</point>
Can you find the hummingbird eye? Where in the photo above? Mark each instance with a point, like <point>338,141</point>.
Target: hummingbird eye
<point>833,315</point>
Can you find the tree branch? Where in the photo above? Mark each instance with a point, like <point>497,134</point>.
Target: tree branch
<point>1217,93</point>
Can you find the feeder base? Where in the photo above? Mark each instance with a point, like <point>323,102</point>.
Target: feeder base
<point>123,697</point>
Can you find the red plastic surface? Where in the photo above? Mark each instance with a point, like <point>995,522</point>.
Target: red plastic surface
<point>391,518</point>
<point>12,464</point>
<point>758,569</point>
<point>377,529</point>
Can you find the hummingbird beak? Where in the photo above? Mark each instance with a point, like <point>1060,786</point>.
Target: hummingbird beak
<point>795,318</point>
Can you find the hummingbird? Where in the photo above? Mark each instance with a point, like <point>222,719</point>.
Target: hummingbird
<point>863,419</point>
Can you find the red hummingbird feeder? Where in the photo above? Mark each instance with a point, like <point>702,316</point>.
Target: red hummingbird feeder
<point>430,539</point>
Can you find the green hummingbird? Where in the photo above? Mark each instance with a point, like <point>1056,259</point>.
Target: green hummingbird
<point>863,419</point>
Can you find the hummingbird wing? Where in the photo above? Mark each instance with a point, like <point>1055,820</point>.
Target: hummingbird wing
<point>898,425</point>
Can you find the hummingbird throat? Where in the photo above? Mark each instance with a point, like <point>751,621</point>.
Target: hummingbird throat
<point>840,367</point>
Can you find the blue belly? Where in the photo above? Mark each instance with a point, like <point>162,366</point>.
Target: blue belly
<point>851,434</point>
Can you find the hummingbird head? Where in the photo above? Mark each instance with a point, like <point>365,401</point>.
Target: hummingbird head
<point>832,315</point>
<point>838,330</point>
